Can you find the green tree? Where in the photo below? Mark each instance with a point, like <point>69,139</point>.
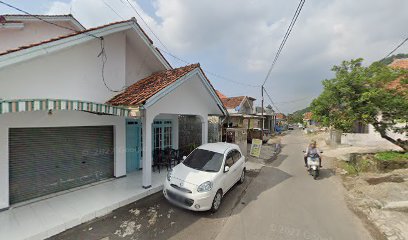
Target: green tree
<point>365,94</point>
<point>297,116</point>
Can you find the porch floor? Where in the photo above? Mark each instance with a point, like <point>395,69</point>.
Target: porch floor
<point>45,218</point>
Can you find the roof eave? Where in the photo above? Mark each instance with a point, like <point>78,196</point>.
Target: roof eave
<point>46,48</point>
<point>159,95</point>
<point>68,17</point>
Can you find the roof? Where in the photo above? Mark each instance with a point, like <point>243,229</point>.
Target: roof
<point>400,63</point>
<point>63,17</point>
<point>143,89</point>
<point>220,95</point>
<point>307,116</point>
<point>219,147</point>
<point>60,38</point>
<point>397,83</point>
<point>67,42</point>
<point>232,102</point>
<point>280,116</point>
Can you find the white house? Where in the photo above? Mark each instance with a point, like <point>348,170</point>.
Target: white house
<point>241,111</point>
<point>366,135</point>
<point>78,105</point>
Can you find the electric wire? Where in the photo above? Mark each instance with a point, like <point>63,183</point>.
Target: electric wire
<point>288,31</point>
<point>209,72</point>
<point>396,48</point>
<point>102,53</point>
<point>270,99</point>
<point>147,25</point>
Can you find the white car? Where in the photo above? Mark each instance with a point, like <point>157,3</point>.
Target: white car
<point>202,179</point>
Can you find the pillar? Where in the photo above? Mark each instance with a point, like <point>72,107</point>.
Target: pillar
<point>147,121</point>
<point>204,128</point>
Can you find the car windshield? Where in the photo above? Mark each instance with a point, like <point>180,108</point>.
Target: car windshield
<point>204,160</point>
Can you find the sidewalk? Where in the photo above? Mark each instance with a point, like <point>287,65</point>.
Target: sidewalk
<point>45,218</point>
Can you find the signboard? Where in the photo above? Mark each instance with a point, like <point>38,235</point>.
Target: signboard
<point>256,147</point>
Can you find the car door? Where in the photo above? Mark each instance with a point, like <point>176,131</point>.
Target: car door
<point>238,164</point>
<point>229,176</point>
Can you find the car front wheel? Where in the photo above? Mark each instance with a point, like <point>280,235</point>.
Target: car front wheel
<point>217,201</point>
<point>242,178</point>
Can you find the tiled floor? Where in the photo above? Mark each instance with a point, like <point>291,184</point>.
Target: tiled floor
<point>48,217</point>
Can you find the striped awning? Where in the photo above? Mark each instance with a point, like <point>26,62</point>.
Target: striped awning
<point>28,105</point>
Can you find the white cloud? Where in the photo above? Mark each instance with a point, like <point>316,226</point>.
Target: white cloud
<point>240,37</point>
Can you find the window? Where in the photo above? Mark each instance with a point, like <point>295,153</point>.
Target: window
<point>236,155</point>
<point>204,160</point>
<point>229,161</point>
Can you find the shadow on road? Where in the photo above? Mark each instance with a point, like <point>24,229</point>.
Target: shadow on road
<point>277,161</point>
<point>155,218</point>
<point>268,178</point>
<point>326,173</point>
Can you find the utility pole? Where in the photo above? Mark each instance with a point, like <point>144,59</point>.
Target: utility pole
<point>262,110</point>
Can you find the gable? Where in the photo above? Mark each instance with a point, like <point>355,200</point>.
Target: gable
<point>190,97</point>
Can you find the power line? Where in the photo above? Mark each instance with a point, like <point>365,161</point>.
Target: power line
<point>102,53</point>
<point>395,49</point>
<point>209,72</point>
<point>288,31</point>
<point>270,99</point>
<point>41,19</point>
<point>180,59</point>
<point>293,101</point>
<point>147,25</point>
<point>113,10</point>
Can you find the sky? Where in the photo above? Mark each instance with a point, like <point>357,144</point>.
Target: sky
<point>235,41</point>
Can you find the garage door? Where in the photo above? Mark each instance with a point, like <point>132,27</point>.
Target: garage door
<point>48,160</point>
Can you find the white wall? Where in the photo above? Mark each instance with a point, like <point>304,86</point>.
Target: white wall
<point>372,138</point>
<point>32,32</point>
<point>189,98</point>
<point>73,73</point>
<point>57,119</point>
<point>140,61</point>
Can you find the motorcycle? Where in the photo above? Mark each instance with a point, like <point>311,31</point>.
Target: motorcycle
<point>313,165</point>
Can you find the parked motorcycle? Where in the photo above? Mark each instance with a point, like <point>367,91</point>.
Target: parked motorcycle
<point>313,165</point>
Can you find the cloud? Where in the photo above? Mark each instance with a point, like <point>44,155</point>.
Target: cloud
<point>239,38</point>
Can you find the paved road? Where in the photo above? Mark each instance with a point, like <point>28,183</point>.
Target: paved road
<point>154,218</point>
<point>279,202</point>
<point>284,202</point>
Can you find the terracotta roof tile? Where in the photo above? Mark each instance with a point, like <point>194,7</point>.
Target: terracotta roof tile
<point>397,83</point>
<point>307,116</point>
<point>220,95</point>
<point>400,63</point>
<point>59,38</point>
<point>232,102</point>
<point>141,91</point>
<point>280,116</point>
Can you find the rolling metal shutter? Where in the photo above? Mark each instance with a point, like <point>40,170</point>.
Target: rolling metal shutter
<point>48,160</point>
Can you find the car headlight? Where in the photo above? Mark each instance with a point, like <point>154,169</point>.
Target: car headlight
<point>205,187</point>
<point>169,173</point>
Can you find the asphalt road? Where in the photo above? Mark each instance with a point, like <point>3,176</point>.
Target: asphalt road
<point>155,218</point>
<point>284,202</point>
<point>280,202</point>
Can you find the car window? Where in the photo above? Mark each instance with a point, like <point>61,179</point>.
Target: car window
<point>204,160</point>
<point>229,161</point>
<point>236,155</point>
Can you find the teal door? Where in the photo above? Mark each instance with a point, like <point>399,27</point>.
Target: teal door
<point>133,144</point>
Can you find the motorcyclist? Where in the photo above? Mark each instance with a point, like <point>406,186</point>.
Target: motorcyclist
<point>312,150</point>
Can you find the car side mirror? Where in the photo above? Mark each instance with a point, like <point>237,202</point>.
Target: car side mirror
<point>184,157</point>
<point>226,169</point>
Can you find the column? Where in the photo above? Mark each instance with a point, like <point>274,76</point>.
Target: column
<point>204,128</point>
<point>147,121</point>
